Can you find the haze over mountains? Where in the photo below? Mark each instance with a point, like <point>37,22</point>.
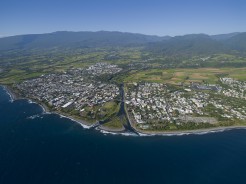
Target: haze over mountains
<point>193,43</point>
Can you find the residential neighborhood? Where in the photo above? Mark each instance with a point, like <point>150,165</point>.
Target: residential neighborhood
<point>155,103</point>
<point>149,105</point>
<point>70,90</point>
<point>103,68</point>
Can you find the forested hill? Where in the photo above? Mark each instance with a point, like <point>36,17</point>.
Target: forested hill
<point>196,44</point>
<point>188,44</point>
<point>76,39</point>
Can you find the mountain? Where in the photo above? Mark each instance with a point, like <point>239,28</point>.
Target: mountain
<point>76,39</point>
<point>188,44</point>
<point>191,44</point>
<point>222,37</point>
<point>237,42</point>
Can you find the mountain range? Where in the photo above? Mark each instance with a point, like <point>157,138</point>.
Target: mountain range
<point>191,44</point>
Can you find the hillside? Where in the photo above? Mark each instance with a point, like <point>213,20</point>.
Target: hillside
<point>76,39</point>
<point>237,42</point>
<point>193,44</point>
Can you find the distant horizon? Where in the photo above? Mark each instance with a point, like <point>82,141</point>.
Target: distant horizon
<point>159,17</point>
<point>2,36</point>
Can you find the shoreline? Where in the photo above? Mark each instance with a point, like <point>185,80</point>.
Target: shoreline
<point>193,132</point>
<point>46,110</point>
<point>121,131</point>
<point>10,92</point>
<point>115,130</point>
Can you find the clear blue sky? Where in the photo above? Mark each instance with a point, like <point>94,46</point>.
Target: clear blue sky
<point>155,17</point>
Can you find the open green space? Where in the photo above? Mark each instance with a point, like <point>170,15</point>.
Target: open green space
<point>114,123</point>
<point>185,75</point>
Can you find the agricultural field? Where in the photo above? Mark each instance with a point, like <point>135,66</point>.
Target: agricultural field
<point>139,65</point>
<point>215,60</point>
<point>176,76</point>
<point>15,69</point>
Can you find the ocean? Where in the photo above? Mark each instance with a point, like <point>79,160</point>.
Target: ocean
<point>41,148</point>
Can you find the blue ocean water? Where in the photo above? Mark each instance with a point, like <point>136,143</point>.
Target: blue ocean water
<point>48,149</point>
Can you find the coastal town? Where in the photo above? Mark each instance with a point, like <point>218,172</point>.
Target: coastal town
<point>73,91</point>
<point>156,105</point>
<point>149,105</point>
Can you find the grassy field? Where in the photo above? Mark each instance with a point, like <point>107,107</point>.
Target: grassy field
<point>19,67</point>
<point>175,76</point>
<point>115,123</point>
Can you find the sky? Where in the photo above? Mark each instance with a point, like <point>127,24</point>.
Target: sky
<point>152,17</point>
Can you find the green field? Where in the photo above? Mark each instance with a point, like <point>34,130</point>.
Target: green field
<point>175,76</point>
<point>146,65</point>
<point>115,123</point>
<point>19,67</point>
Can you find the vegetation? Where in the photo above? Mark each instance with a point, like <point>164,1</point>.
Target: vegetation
<point>185,75</point>
<point>176,61</point>
<point>114,123</point>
